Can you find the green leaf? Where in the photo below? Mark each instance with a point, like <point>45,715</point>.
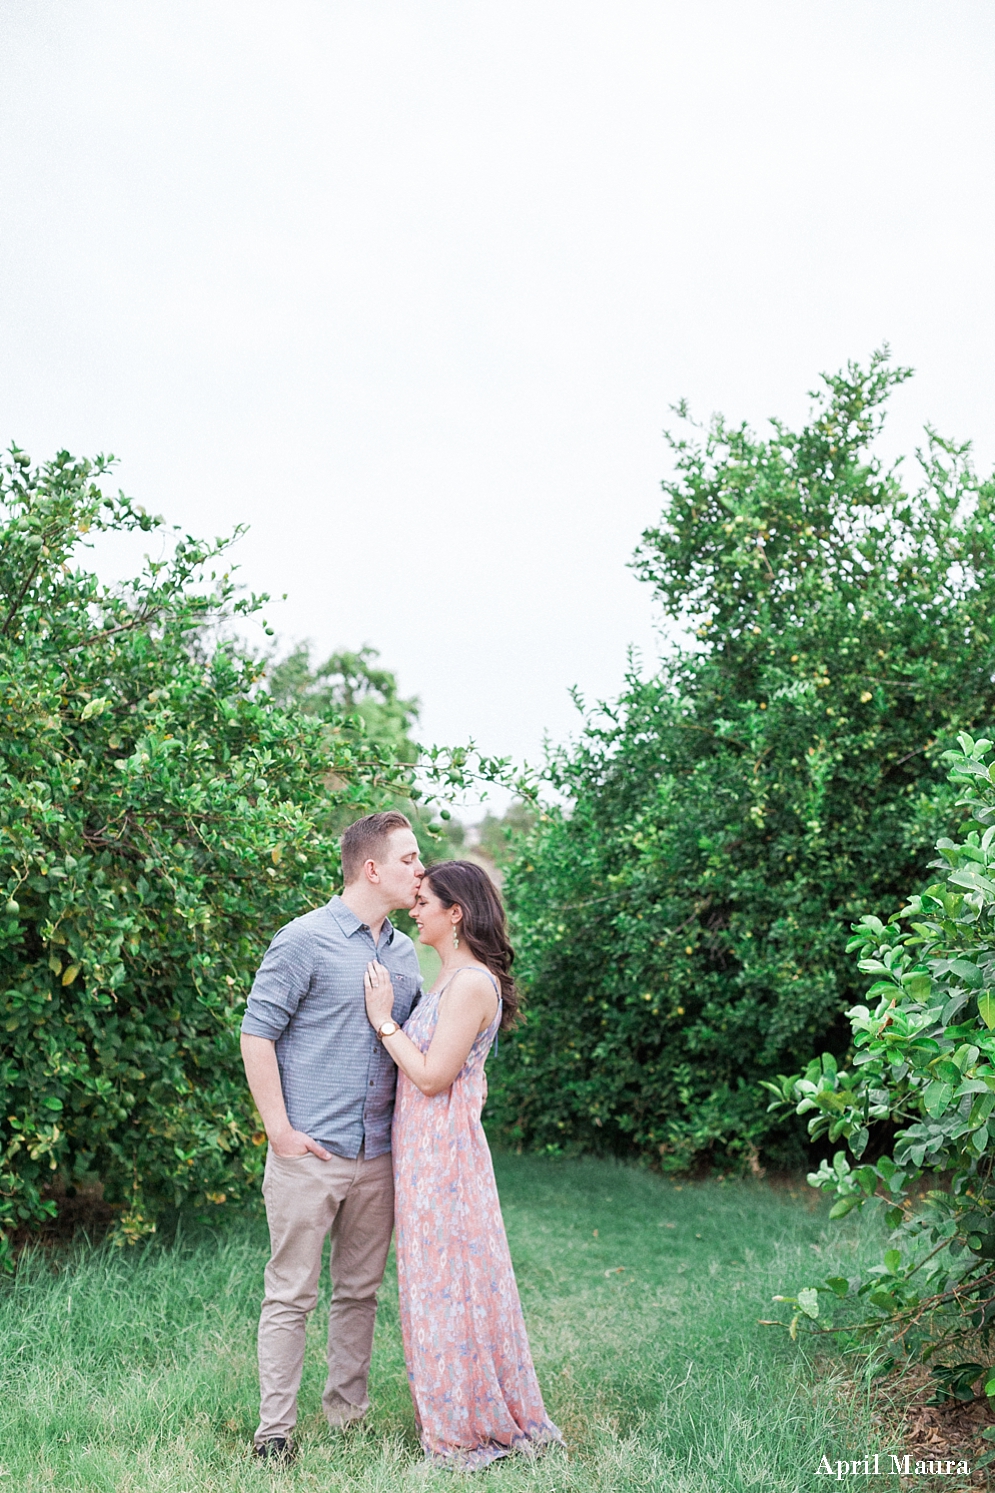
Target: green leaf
<point>986,1009</point>
<point>918,986</point>
<point>981,1109</point>
<point>892,1259</point>
<point>838,1284</point>
<point>972,880</point>
<point>936,1096</point>
<point>95,707</point>
<point>844,1206</point>
<point>808,1301</point>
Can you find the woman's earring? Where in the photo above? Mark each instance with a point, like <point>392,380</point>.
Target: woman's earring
<point>455,937</point>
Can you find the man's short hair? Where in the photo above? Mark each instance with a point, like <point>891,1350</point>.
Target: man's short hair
<point>368,840</point>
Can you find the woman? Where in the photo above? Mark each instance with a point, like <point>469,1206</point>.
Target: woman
<point>465,1346</point>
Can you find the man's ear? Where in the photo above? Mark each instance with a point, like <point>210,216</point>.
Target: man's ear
<point>370,872</point>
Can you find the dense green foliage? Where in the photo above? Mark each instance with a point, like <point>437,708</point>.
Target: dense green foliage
<point>160,818</point>
<point>682,916</point>
<point>924,1062</point>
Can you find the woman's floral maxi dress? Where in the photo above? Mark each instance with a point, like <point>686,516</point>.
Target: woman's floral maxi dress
<point>467,1353</point>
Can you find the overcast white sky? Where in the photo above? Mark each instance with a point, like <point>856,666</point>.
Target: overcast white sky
<point>409,287</point>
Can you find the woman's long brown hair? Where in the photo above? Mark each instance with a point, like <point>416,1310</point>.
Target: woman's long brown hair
<point>465,885</point>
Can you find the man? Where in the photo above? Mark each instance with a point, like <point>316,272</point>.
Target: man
<point>324,1087</point>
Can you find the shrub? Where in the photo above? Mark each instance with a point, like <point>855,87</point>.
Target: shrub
<point>160,817</point>
<point>682,914</point>
<point>923,1060</point>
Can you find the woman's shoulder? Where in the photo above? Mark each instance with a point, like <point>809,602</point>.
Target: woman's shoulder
<point>470,980</point>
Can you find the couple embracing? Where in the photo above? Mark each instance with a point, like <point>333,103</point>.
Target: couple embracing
<point>336,1027</point>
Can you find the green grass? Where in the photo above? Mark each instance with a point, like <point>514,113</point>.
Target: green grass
<point>135,1370</point>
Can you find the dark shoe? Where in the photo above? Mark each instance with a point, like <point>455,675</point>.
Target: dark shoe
<point>279,1450</point>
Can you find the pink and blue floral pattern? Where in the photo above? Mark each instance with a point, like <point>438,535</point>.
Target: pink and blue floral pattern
<point>467,1352</point>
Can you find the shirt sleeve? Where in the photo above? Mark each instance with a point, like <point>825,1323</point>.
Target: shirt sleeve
<point>281,983</point>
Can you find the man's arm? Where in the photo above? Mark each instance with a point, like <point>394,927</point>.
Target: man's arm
<point>263,1074</point>
<point>281,982</point>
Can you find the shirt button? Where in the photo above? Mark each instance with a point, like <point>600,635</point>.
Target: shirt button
<point>371,1083</point>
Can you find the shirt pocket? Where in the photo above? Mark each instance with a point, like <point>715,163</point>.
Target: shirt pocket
<point>405,990</point>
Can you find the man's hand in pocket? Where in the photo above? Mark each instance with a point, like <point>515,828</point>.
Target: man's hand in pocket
<point>296,1143</point>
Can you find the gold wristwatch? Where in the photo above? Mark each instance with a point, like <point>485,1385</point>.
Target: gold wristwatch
<point>387,1029</point>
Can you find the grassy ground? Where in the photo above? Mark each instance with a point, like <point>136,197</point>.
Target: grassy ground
<point>135,1371</point>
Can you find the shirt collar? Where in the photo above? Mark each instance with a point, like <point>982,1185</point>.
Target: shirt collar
<point>350,923</point>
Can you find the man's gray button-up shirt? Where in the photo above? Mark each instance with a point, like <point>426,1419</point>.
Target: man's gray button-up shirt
<point>307,998</point>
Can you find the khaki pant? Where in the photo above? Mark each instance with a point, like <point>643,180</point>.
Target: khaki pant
<point>307,1198</point>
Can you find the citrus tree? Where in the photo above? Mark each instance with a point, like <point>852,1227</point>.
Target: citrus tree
<point>160,817</point>
<point>682,910</point>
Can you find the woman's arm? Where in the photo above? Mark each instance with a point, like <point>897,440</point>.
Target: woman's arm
<point>464,1012</point>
